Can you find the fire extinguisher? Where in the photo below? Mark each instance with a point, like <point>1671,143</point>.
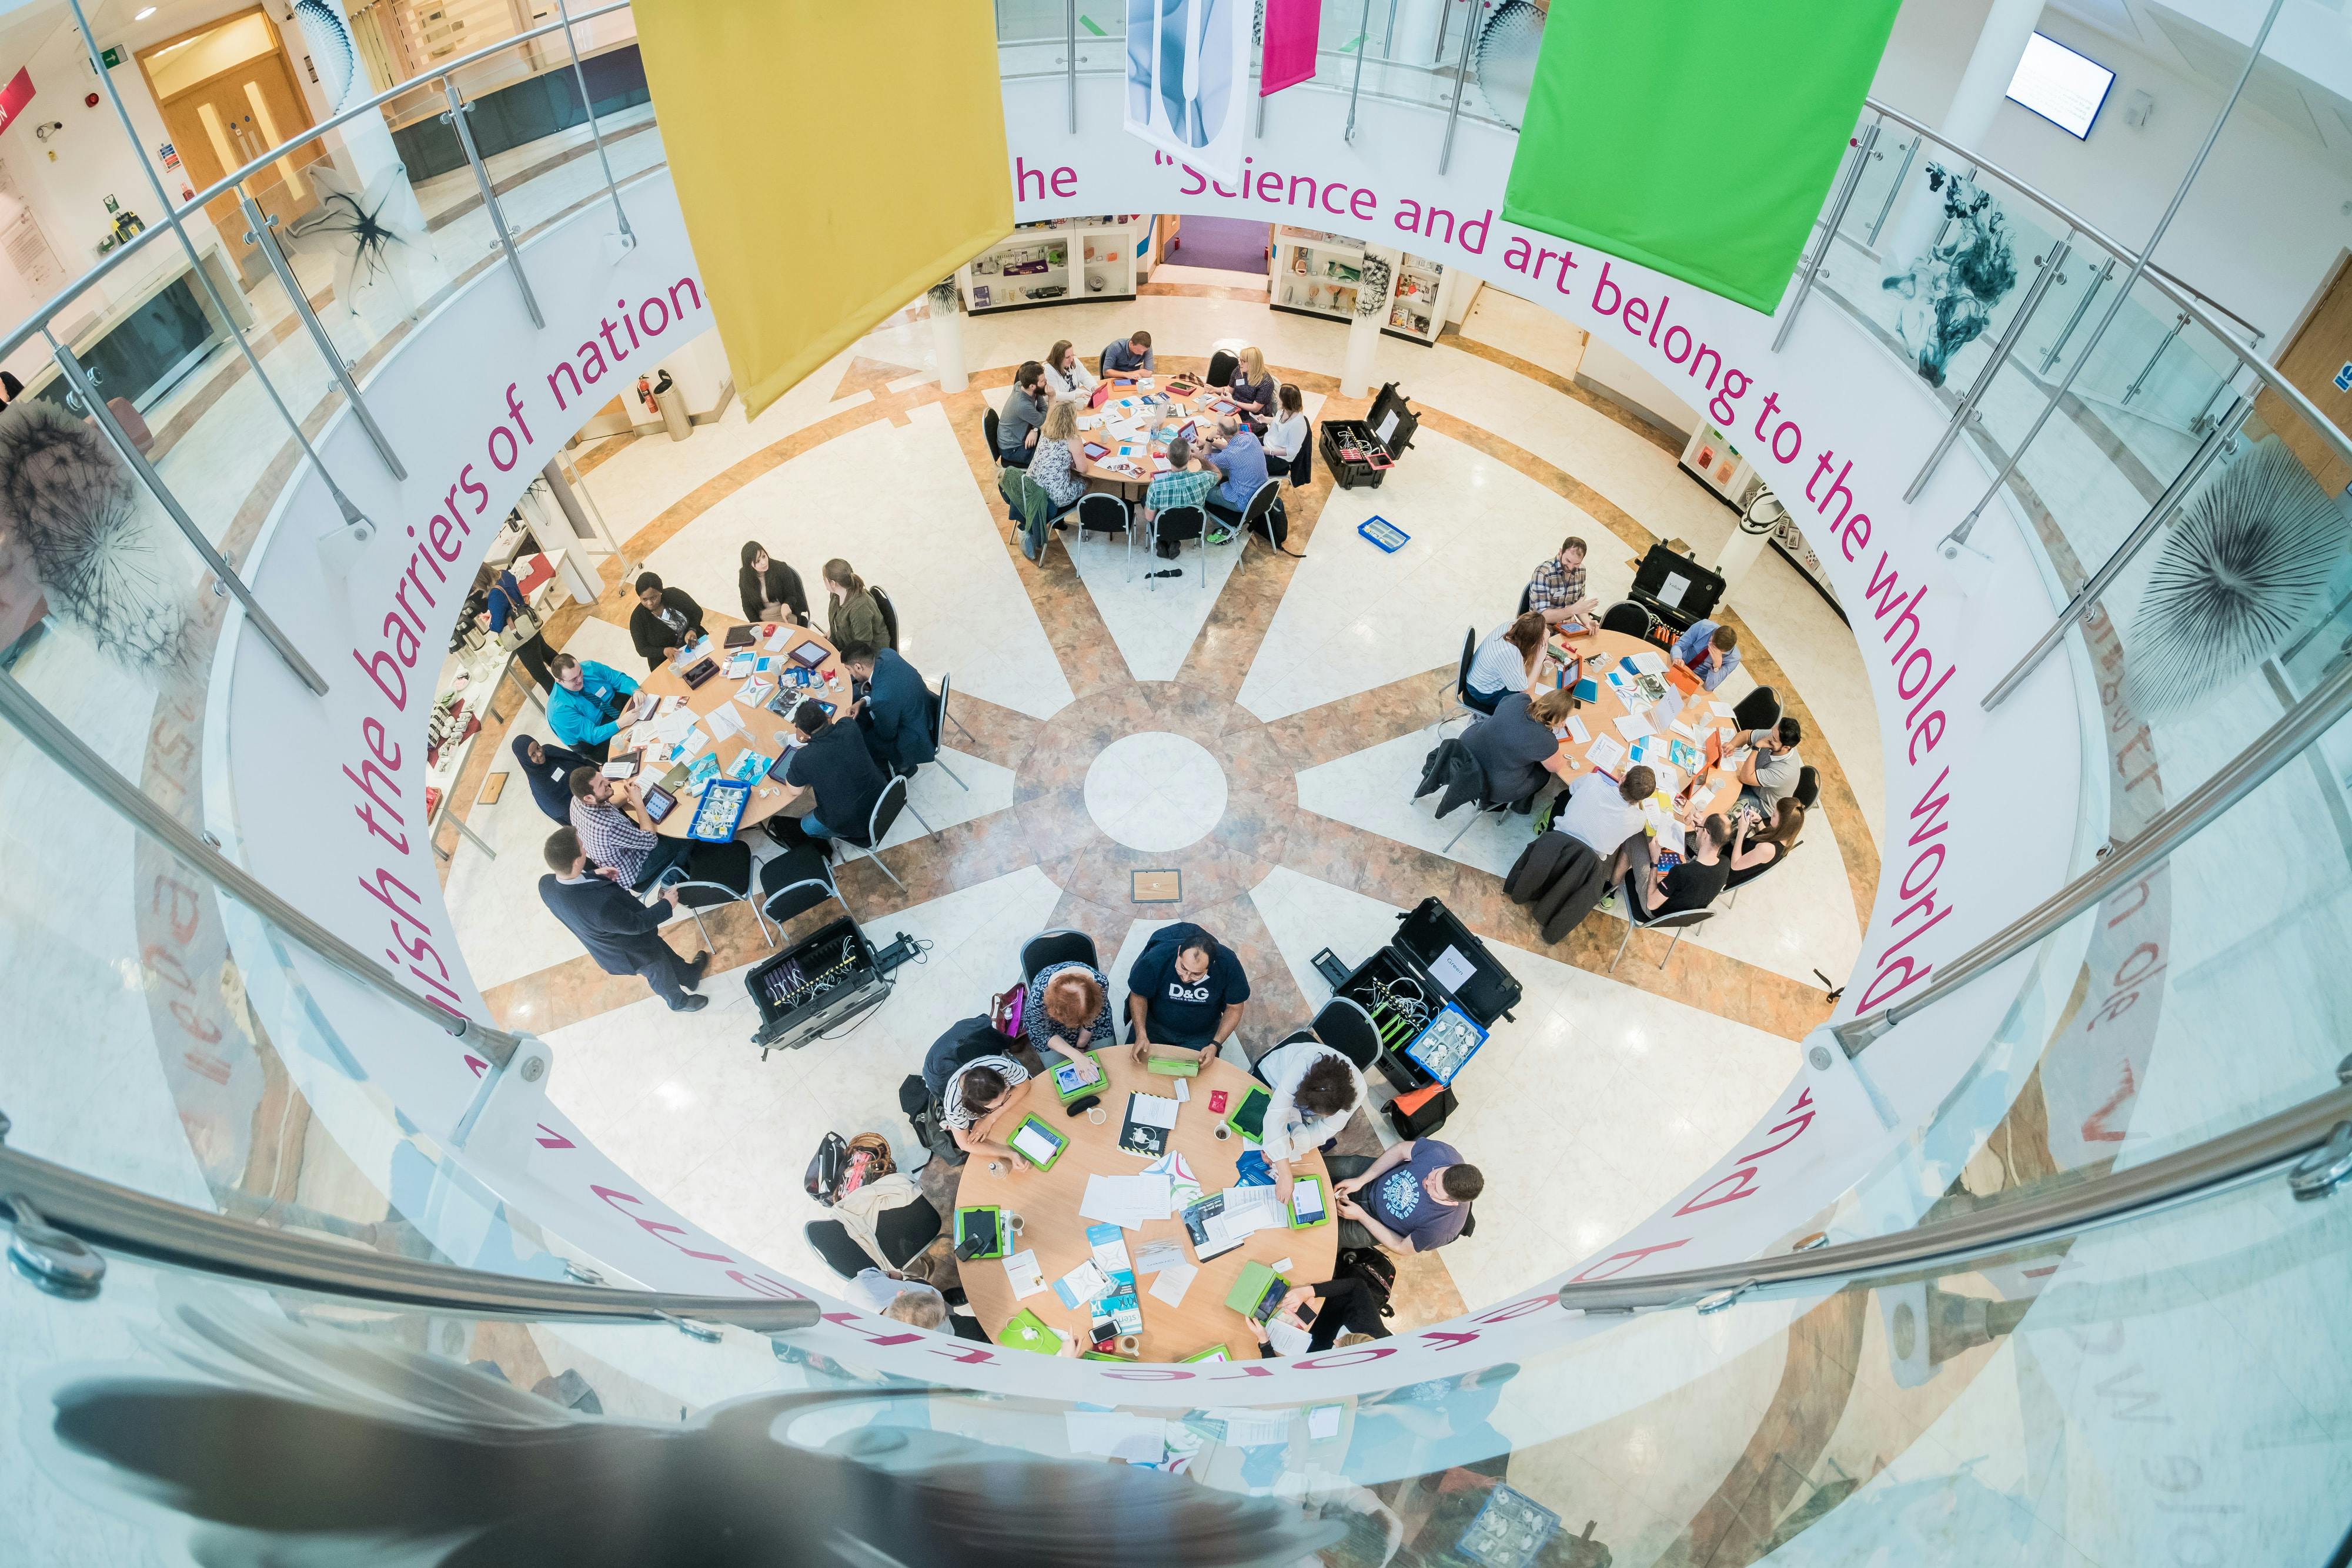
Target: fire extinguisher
<point>646,396</point>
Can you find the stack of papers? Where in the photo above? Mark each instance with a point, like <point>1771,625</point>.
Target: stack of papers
<point>1648,664</point>
<point>726,724</point>
<point>1125,1201</point>
<point>1173,1282</point>
<point>1183,1187</point>
<point>777,639</point>
<point>1606,754</point>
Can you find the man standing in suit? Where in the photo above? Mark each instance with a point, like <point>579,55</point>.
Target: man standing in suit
<point>622,935</point>
<point>666,620</point>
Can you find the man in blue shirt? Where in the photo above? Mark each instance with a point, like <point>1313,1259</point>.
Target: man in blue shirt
<point>1707,653</point>
<point>1130,356</point>
<point>1239,457</point>
<point>895,711</point>
<point>590,703</point>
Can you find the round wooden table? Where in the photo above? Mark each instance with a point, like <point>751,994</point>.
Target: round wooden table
<point>761,726</point>
<point>1601,652</point>
<point>1130,461</point>
<point>1048,1202</point>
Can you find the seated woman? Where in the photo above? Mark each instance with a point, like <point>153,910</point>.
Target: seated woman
<point>1316,1091</point>
<point>1758,843</point>
<point>1067,1011</point>
<point>771,591</point>
<point>976,1101</point>
<point>1505,662</point>
<point>853,617</point>
<point>1341,1307</point>
<point>1517,746</point>
<point>548,769</point>
<point>1057,448</point>
<point>1251,391</point>
<point>1286,437</point>
<point>1068,379</point>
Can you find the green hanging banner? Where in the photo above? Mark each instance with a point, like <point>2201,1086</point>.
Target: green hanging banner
<point>1699,138</point>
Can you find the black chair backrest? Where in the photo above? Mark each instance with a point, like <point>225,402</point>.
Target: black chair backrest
<point>939,712</point>
<point>832,1242</point>
<point>1758,709</point>
<point>1526,593</point>
<point>988,424</point>
<point>1048,948</point>
<point>906,1230</point>
<point>1809,786</point>
<point>893,801</point>
<point>1629,618</point>
<point>1221,366</point>
<point>890,611</point>
<point>1103,513</point>
<point>1348,1029</point>
<point>1462,671</point>
<point>1260,504</point>
<point>1180,523</point>
<point>796,880</point>
<point>1302,467</point>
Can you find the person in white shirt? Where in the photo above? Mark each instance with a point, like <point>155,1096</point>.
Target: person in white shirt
<point>1068,379</point>
<point>1316,1090</point>
<point>1605,813</point>
<point>1285,437</point>
<point>1505,662</point>
<point>877,1289</point>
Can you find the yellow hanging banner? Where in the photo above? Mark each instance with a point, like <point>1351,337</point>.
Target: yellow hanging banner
<point>832,165</point>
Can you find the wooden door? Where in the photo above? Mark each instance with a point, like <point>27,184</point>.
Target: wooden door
<point>226,121</point>
<point>2313,358</point>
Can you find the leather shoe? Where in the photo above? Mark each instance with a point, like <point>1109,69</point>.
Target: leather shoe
<point>698,969</point>
<point>693,1004</point>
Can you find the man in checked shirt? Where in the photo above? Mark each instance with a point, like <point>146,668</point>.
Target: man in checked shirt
<point>1557,588</point>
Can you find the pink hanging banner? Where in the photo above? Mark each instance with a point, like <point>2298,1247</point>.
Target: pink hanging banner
<point>1291,27</point>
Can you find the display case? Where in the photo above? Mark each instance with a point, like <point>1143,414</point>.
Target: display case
<point>1053,263</point>
<point>1315,273</point>
<point>1709,457</point>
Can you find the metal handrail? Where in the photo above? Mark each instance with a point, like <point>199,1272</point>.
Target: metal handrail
<point>2068,1209</point>
<point>124,251</point>
<point>133,1224</point>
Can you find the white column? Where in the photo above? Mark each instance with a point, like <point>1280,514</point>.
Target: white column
<point>947,344</point>
<point>1740,552</point>
<point>1984,84</point>
<point>1418,23</point>
<point>364,145</point>
<point>1359,375</point>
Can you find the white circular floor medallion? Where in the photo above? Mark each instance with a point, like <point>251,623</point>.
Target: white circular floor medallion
<point>1155,791</point>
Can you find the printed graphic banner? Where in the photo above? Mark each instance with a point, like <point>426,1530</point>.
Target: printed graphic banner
<point>1286,57</point>
<point>1188,78</point>
<point>830,171</point>
<point>1698,139</point>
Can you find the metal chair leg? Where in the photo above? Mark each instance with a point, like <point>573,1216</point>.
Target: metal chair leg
<point>1457,834</point>
<point>951,773</point>
<point>959,724</point>
<point>1670,948</point>
<point>927,829</point>
<point>1622,946</point>
<point>869,854</point>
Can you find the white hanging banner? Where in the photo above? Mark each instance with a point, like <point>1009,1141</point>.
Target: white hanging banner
<point>1188,78</point>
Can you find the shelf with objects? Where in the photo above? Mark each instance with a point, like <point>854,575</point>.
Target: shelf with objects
<point>1315,273</point>
<point>1709,457</point>
<point>467,694</point>
<point>1061,262</point>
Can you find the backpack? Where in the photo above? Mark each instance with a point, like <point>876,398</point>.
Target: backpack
<point>826,1168</point>
<point>1374,1268</point>
<point>1276,521</point>
<point>1420,1113</point>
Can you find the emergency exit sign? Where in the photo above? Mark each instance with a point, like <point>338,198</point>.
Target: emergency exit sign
<point>111,59</point>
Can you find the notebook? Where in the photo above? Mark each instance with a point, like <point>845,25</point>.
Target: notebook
<point>1248,1118</point>
<point>1038,1142</point>
<point>1258,1292</point>
<point>1149,1119</point>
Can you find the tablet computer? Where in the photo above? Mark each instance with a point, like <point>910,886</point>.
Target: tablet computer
<point>659,802</point>
<point>808,655</point>
<point>1095,451</point>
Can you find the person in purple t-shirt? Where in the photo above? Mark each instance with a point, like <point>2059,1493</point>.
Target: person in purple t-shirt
<point>1415,1198</point>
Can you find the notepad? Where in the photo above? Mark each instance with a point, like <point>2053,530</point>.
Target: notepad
<point>1606,754</point>
<point>1173,1282</point>
<point>1149,1119</point>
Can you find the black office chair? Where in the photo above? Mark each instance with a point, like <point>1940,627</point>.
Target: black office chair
<point>1253,516</point>
<point>1048,948</point>
<point>795,881</point>
<point>1344,1026</point>
<point>1809,786</point>
<point>945,714</point>
<point>1175,526</point>
<point>1459,686</point>
<point>1101,512</point>
<point>725,878</point>
<point>1629,618</point>
<point>938,715</point>
<point>890,611</point>
<point>1678,922</point>
<point>988,426</point>
<point>1760,709</point>
<point>831,1240</point>
<point>878,822</point>
<point>1221,366</point>
<point>1526,594</point>
<point>906,1230</point>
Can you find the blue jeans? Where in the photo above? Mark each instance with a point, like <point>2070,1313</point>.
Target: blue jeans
<point>815,829</point>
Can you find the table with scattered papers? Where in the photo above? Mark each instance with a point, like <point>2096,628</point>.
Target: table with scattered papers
<point>1134,424</point>
<point>1621,725</point>
<point>726,717</point>
<point>1133,1204</point>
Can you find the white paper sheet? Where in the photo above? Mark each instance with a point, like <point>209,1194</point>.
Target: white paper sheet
<point>1323,1423</point>
<point>1084,1283</point>
<point>1606,753</point>
<point>1452,969</point>
<point>1633,727</point>
<point>1648,662</point>
<point>1027,1280</point>
<point>1576,730</point>
<point>1720,710</point>
<point>1125,1201</point>
<point>691,743</point>
<point>1154,1256</point>
<point>1033,1144</point>
<point>1152,1110</point>
<point>725,722</point>
<point>1667,710</point>
<point>776,642</point>
<point>1287,1337</point>
<point>1173,1282</point>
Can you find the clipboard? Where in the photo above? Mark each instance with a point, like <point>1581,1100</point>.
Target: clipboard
<point>1051,1136</point>
<point>1248,1117</point>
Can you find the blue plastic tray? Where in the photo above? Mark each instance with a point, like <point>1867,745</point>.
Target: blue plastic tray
<point>1385,533</point>
<point>719,810</point>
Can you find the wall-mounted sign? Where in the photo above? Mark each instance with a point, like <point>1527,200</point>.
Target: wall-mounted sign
<point>170,154</point>
<point>111,59</point>
<point>2343,377</point>
<point>14,97</point>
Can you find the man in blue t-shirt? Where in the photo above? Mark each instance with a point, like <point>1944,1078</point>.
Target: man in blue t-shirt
<point>1242,461</point>
<point>1415,1198</point>
<point>1184,993</point>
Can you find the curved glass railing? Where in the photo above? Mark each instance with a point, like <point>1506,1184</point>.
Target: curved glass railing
<point>1942,1403</point>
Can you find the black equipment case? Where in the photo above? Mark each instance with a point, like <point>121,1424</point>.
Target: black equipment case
<point>813,985</point>
<point>1423,935</point>
<point>1658,575</point>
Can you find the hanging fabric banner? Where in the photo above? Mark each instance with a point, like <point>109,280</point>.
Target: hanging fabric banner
<point>1187,77</point>
<point>1700,139</point>
<point>1286,57</point>
<point>829,172</point>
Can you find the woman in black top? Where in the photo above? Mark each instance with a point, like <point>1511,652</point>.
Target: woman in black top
<point>548,769</point>
<point>769,586</point>
<point>1761,843</point>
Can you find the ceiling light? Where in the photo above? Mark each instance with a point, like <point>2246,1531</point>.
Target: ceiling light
<point>145,15</point>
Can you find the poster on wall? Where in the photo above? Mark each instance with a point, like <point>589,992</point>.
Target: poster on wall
<point>1187,79</point>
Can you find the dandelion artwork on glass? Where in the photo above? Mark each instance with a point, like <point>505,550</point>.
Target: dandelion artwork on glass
<point>363,228</point>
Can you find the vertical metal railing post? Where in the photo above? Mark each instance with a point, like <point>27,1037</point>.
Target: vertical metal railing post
<point>2217,441</point>
<point>1894,189</point>
<point>1460,78</point>
<point>2050,262</point>
<point>1959,534</point>
<point>2179,325</point>
<point>1388,44</point>
<point>1070,57</point>
<point>352,514</point>
<point>456,116</point>
<point>2106,272</point>
<point>1357,90</point>
<point>224,576</point>
<point>1847,184</point>
<point>588,107</point>
<point>264,237</point>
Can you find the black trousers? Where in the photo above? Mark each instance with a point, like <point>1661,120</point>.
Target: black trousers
<point>670,977</point>
<point>533,656</point>
<point>1344,1306</point>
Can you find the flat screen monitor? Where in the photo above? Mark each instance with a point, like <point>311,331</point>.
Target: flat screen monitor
<point>2061,86</point>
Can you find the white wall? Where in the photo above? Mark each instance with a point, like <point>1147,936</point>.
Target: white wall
<point>1636,388</point>
<point>1923,55</point>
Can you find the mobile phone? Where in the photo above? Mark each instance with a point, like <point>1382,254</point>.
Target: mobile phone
<point>1305,1314</point>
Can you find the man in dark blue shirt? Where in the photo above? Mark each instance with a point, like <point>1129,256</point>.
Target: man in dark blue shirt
<point>622,935</point>
<point>895,711</point>
<point>1184,993</point>
<point>833,764</point>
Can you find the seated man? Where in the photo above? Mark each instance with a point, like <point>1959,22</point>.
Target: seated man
<point>622,935</point>
<point>1693,882</point>
<point>1236,455</point>
<point>1556,591</point>
<point>895,712</point>
<point>832,763</point>
<point>1187,482</point>
<point>666,620</point>
<point>1606,813</point>
<point>1023,416</point>
<point>610,818</point>
<point>1769,773</point>
<point>590,703</point>
<point>1413,1199</point>
<point>1705,653</point>
<point>1184,994</point>
<point>1131,355</point>
<point>1316,1090</point>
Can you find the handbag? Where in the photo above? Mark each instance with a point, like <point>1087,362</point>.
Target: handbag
<point>1004,1012</point>
<point>522,626</point>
